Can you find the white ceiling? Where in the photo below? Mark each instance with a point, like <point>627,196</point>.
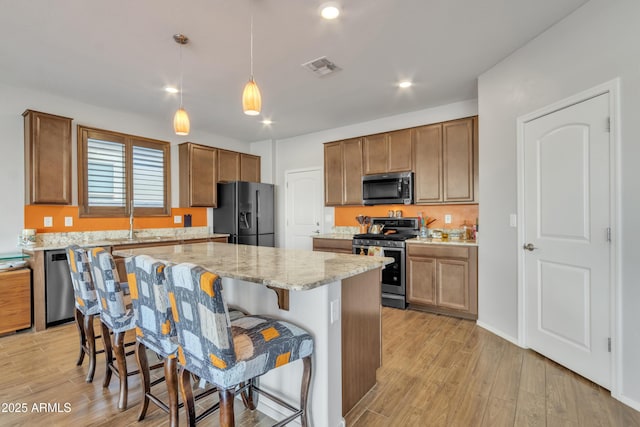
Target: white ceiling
<point>120,54</point>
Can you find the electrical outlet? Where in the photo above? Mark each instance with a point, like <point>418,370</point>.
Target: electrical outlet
<point>177,219</point>
<point>48,221</point>
<point>447,219</point>
<point>68,221</point>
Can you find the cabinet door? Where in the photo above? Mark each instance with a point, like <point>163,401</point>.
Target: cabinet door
<point>203,187</point>
<point>400,152</point>
<point>421,280</point>
<point>15,300</point>
<point>47,158</point>
<point>428,164</point>
<point>457,155</point>
<point>333,174</point>
<point>228,166</point>
<point>352,170</point>
<point>375,153</point>
<point>453,284</point>
<point>249,168</point>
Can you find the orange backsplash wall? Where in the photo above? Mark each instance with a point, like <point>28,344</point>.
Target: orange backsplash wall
<point>34,218</point>
<point>346,215</point>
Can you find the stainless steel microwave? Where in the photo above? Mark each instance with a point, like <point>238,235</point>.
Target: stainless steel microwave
<point>388,189</point>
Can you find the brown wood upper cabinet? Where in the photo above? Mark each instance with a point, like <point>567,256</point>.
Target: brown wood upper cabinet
<point>228,166</point>
<point>47,157</point>
<point>388,152</point>
<point>235,166</point>
<point>343,172</point>
<point>446,162</point>
<point>198,164</point>
<point>249,167</point>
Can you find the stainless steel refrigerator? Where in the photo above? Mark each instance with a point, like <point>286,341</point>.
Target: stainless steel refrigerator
<point>245,212</point>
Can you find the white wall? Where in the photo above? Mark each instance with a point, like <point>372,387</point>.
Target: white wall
<point>16,100</point>
<point>595,44</point>
<point>306,151</point>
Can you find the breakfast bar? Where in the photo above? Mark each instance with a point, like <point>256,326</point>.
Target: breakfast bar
<point>334,296</point>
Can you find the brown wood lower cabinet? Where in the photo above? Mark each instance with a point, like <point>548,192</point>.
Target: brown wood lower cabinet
<point>443,279</point>
<point>15,300</point>
<point>341,246</point>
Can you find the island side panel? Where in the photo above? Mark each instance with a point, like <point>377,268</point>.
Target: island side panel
<point>361,336</point>
<point>310,310</point>
<point>36,263</point>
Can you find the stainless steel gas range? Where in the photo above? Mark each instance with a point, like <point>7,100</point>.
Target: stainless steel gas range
<point>390,243</point>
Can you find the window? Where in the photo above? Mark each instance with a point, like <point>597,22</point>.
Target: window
<point>118,172</point>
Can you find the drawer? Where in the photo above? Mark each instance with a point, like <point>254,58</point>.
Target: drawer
<point>436,251</point>
<point>332,245</point>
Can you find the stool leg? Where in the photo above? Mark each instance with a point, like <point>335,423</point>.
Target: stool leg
<point>227,418</point>
<point>91,344</point>
<point>143,367</point>
<point>79,324</point>
<point>108,354</point>
<point>187,396</point>
<point>122,369</point>
<point>171,377</point>
<point>304,389</point>
<point>247,395</point>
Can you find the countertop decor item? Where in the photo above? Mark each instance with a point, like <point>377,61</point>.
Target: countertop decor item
<point>181,124</point>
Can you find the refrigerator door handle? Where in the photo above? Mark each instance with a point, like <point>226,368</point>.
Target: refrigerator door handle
<point>257,211</point>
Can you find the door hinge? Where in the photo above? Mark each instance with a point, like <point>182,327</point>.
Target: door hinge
<point>609,345</point>
<point>608,126</point>
<point>608,234</point>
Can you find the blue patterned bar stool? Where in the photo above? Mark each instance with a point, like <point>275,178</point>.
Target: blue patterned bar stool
<point>115,316</point>
<point>230,354</point>
<point>86,305</point>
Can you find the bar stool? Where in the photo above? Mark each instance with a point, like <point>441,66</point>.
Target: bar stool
<point>155,330</point>
<point>230,354</point>
<point>115,316</point>
<point>86,306</point>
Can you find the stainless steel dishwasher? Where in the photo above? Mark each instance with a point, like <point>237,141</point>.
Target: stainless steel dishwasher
<point>58,288</point>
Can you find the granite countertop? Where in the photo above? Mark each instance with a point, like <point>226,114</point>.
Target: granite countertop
<point>291,269</point>
<point>51,241</point>
<point>430,241</point>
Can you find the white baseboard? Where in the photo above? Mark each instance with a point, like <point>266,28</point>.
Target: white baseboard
<point>274,411</point>
<point>627,401</point>
<point>498,333</point>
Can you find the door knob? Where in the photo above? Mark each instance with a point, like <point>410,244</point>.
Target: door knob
<point>529,247</point>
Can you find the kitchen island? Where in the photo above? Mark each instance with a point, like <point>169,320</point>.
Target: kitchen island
<point>334,296</point>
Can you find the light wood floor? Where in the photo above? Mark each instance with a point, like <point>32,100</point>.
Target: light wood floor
<point>441,371</point>
<point>437,371</point>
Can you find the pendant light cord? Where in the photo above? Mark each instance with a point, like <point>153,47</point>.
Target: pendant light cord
<point>181,75</point>
<point>251,47</point>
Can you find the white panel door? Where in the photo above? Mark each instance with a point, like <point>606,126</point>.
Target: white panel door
<point>567,271</point>
<point>304,200</point>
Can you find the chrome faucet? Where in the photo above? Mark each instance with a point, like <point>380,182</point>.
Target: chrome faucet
<point>131,222</point>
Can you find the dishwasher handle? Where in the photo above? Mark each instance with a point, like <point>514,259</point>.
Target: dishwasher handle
<point>59,256</point>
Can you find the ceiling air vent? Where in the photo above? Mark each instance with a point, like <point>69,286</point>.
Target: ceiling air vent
<point>321,66</point>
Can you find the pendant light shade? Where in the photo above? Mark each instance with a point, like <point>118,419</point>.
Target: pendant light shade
<point>181,122</point>
<point>251,99</point>
<point>181,125</point>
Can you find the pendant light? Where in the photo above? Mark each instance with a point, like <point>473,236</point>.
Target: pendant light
<point>251,99</point>
<point>181,120</point>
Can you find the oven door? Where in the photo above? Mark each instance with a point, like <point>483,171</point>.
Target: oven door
<point>393,275</point>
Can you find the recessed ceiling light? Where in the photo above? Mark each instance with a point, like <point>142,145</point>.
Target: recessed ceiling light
<point>329,11</point>
<point>405,84</point>
<point>266,122</point>
<point>171,89</point>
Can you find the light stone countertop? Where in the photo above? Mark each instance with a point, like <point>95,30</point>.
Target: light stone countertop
<point>430,241</point>
<point>290,269</point>
<point>51,241</point>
